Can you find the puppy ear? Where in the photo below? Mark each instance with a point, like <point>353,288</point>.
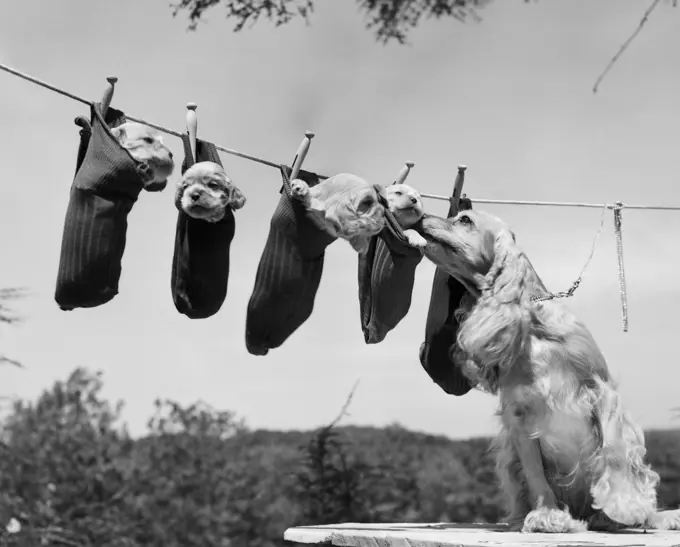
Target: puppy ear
<point>382,193</point>
<point>331,217</point>
<point>360,243</point>
<point>179,193</point>
<point>236,198</point>
<point>119,133</point>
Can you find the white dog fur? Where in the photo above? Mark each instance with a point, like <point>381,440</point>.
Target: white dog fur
<point>569,456</point>
<point>346,206</point>
<point>405,203</point>
<point>205,192</point>
<point>146,147</point>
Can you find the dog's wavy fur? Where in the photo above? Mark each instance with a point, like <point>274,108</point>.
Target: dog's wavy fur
<point>205,192</point>
<point>145,145</point>
<point>346,206</point>
<point>568,455</point>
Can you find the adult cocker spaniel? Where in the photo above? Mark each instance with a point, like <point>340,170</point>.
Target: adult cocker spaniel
<point>569,458</point>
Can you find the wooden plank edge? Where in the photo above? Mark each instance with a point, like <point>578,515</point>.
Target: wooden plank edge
<point>383,535</point>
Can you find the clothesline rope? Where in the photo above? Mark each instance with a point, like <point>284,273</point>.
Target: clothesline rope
<point>138,120</point>
<point>614,206</point>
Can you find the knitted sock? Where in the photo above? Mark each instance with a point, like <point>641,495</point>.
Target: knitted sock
<point>105,187</point>
<point>386,276</point>
<point>288,274</point>
<point>200,263</point>
<point>441,330</point>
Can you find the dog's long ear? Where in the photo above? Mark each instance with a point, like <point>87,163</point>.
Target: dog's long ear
<point>496,331</point>
<point>508,269</point>
<point>236,198</point>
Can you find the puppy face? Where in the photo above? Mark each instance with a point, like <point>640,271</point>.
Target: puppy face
<point>206,191</point>
<point>350,208</point>
<point>405,204</point>
<point>464,245</point>
<point>146,147</point>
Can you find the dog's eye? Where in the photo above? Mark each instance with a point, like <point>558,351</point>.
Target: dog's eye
<point>398,192</point>
<point>465,220</point>
<point>213,185</point>
<point>365,205</point>
<point>148,140</point>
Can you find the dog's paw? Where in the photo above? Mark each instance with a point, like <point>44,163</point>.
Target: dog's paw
<point>299,189</point>
<point>624,499</point>
<point>665,520</point>
<point>415,239</point>
<point>552,521</point>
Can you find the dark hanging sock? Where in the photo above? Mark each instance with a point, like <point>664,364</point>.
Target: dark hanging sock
<point>106,185</point>
<point>288,274</point>
<point>441,330</point>
<point>386,277</point>
<point>200,264</point>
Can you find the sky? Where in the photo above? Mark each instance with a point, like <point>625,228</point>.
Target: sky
<point>510,97</point>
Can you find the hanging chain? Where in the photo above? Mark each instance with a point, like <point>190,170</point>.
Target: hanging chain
<point>575,284</point>
<point>619,256</point>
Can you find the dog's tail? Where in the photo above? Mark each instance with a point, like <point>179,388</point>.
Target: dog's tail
<point>623,486</point>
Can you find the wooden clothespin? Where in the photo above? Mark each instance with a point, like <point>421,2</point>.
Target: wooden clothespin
<point>403,174</point>
<point>192,128</point>
<point>458,189</point>
<point>301,155</point>
<point>108,94</point>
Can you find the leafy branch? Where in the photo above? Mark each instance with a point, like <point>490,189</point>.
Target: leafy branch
<point>8,317</point>
<point>388,19</point>
<point>627,43</point>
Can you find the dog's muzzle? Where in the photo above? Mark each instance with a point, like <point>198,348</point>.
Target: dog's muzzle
<point>431,226</point>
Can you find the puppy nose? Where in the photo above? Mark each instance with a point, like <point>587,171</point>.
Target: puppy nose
<point>194,196</point>
<point>414,200</point>
<point>170,152</point>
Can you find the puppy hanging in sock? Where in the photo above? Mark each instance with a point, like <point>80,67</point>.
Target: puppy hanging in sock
<point>116,160</point>
<point>289,271</point>
<point>146,147</point>
<point>345,206</point>
<point>406,205</point>
<point>206,199</point>
<point>387,269</point>
<point>206,192</point>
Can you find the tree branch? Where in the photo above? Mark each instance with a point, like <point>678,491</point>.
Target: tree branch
<point>7,361</point>
<point>343,410</point>
<point>7,317</point>
<point>388,19</point>
<point>625,45</point>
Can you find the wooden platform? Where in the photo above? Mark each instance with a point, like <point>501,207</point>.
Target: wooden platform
<point>468,535</point>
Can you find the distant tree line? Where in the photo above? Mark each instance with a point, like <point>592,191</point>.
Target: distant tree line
<point>70,474</point>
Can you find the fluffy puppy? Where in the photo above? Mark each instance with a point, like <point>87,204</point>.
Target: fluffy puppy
<point>405,203</point>
<point>146,147</point>
<point>206,191</point>
<point>346,206</point>
<point>568,455</point>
